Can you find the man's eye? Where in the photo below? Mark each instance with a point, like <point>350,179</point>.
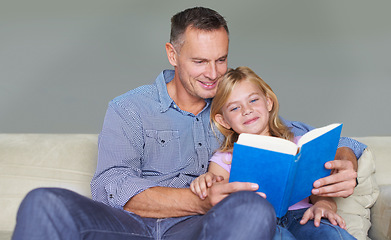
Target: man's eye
<point>222,60</point>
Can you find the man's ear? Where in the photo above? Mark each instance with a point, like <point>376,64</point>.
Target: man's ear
<point>171,54</point>
<point>220,119</point>
<point>269,103</point>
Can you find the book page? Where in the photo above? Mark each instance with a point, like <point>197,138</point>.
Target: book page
<point>316,133</point>
<point>267,142</point>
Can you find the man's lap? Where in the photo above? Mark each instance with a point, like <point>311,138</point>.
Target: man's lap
<point>93,220</point>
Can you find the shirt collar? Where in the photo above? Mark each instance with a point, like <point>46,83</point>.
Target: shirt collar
<point>166,101</point>
<point>164,77</point>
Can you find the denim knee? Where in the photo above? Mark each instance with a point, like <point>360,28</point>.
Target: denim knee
<point>250,203</point>
<point>38,198</point>
<point>43,214</point>
<point>46,198</point>
<point>242,215</point>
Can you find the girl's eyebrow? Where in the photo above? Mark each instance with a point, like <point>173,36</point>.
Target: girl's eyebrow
<point>228,104</point>
<point>254,93</point>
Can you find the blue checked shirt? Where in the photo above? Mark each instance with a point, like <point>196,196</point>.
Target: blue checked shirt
<point>148,141</point>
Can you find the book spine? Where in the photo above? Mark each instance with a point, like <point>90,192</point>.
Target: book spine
<point>289,186</point>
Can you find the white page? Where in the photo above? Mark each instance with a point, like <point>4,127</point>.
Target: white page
<point>269,143</point>
<point>316,133</point>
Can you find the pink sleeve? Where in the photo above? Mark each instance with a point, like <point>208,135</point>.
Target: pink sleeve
<point>223,159</point>
<point>296,139</point>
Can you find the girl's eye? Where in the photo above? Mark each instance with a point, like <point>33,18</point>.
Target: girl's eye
<point>254,100</point>
<point>234,109</point>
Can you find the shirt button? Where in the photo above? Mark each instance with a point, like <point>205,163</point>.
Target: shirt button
<point>197,119</point>
<point>111,196</point>
<point>202,166</point>
<point>162,141</point>
<point>200,144</point>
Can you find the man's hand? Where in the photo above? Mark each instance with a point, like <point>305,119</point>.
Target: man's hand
<point>343,176</point>
<point>218,191</point>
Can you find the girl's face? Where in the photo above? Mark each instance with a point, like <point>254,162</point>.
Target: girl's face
<point>246,110</point>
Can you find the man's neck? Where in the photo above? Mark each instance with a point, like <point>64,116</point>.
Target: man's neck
<point>184,100</point>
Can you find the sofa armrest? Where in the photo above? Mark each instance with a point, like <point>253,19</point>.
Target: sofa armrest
<point>381,215</point>
<point>29,161</point>
<point>355,209</point>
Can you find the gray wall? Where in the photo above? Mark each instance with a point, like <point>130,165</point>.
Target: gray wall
<point>62,61</point>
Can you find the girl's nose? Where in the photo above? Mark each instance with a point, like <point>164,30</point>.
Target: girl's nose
<point>247,111</point>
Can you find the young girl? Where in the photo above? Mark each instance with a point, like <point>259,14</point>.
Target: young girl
<point>244,103</point>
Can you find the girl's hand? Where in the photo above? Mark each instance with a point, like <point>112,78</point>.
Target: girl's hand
<point>199,185</point>
<point>322,209</point>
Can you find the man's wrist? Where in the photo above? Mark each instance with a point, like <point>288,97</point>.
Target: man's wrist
<point>356,146</point>
<point>345,153</point>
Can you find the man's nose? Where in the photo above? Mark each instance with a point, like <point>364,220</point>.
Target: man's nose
<point>211,71</point>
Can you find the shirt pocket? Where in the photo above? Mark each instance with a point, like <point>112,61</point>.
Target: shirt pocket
<point>161,152</point>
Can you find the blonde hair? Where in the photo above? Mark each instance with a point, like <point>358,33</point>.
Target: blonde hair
<point>224,90</point>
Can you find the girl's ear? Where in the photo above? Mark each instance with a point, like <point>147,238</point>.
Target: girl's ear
<point>171,54</point>
<point>220,119</point>
<point>269,103</point>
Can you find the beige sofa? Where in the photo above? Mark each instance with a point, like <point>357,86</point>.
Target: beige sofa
<point>28,161</point>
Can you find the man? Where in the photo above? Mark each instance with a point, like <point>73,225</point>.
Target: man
<point>155,140</point>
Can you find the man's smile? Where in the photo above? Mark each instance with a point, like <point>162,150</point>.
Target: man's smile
<point>208,85</point>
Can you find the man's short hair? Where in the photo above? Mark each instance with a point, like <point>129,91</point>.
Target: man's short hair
<point>199,18</point>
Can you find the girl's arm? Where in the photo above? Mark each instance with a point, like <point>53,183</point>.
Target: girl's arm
<point>215,173</point>
<point>323,207</point>
<point>218,170</point>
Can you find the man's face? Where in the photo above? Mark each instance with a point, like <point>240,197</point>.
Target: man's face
<point>201,62</point>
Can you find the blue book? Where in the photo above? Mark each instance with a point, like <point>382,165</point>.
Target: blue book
<point>284,171</point>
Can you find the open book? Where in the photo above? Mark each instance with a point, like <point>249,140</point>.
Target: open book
<point>284,171</point>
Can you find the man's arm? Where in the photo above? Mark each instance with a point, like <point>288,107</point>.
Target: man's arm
<point>118,172</point>
<point>345,153</point>
<point>163,202</point>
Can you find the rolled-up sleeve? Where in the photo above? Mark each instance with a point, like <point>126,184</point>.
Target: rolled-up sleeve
<point>356,146</point>
<point>118,175</point>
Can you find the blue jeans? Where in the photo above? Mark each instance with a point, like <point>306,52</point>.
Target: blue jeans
<point>326,230</point>
<point>52,213</point>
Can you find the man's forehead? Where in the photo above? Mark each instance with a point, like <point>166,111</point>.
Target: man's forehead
<point>193,31</point>
<point>204,43</point>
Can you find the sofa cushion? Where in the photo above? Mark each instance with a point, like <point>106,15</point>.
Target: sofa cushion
<point>29,161</point>
<point>381,215</point>
<point>356,208</point>
<point>380,145</point>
